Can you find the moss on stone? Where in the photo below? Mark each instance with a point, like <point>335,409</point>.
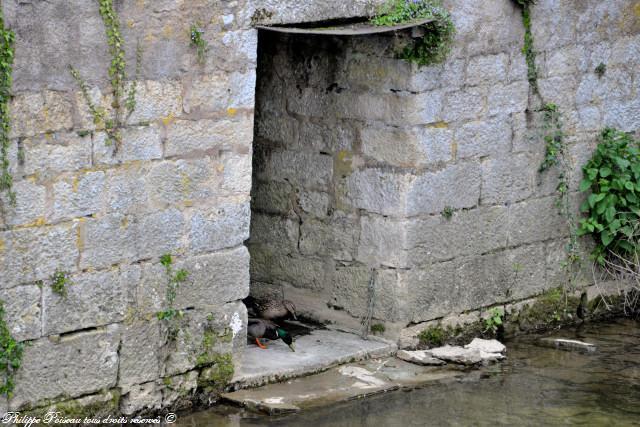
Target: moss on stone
<point>96,406</point>
<point>216,377</point>
<point>552,309</point>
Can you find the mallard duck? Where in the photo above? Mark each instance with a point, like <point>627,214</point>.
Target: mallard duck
<point>271,308</point>
<point>261,328</point>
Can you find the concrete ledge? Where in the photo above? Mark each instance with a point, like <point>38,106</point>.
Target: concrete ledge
<point>316,352</point>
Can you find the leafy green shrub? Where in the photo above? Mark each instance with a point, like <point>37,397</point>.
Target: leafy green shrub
<point>612,176</point>
<point>198,41</point>
<point>494,321</point>
<point>435,45</point>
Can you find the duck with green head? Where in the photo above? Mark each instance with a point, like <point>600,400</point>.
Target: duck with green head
<point>261,328</point>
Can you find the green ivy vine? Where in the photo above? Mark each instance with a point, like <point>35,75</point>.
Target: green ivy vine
<point>10,356</point>
<point>528,50</point>
<point>7,39</point>
<point>436,43</point>
<point>123,103</point>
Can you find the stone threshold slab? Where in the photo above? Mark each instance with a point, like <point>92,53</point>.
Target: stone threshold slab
<point>339,384</point>
<point>316,352</point>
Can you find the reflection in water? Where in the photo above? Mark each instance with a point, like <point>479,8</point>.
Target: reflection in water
<point>535,386</point>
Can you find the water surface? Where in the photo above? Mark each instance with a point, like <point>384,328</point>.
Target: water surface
<point>536,386</point>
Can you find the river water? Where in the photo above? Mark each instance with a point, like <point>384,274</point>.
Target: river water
<point>535,386</point>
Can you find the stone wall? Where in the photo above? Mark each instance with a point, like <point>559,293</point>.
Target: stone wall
<point>356,156</point>
<point>359,157</point>
<point>179,184</point>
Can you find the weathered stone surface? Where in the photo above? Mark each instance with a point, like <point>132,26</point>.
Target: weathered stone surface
<point>457,355</point>
<point>92,299</point>
<point>23,311</point>
<point>382,242</point>
<point>155,100</point>
<point>138,143</point>
<point>281,234</point>
<point>484,138</point>
<point>77,196</point>
<point>508,179</point>
<point>107,240</point>
<point>310,171</point>
<point>140,358</point>
<point>336,238</point>
<point>31,254</point>
<point>40,112</point>
<point>422,357</point>
<point>212,279</point>
<point>30,205</point>
<point>226,227</point>
<point>486,346</point>
<point>378,191</point>
<point>51,154</point>
<point>71,366</point>
<point>457,186</point>
<point>187,136</point>
<point>141,398</point>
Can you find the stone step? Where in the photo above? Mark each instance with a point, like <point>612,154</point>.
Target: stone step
<point>315,352</point>
<point>338,384</point>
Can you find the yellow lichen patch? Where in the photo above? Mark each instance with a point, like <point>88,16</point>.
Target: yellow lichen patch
<point>185,183</point>
<point>188,203</point>
<point>130,23</point>
<point>220,168</point>
<point>79,237</point>
<point>75,184</point>
<point>124,223</point>
<point>39,222</point>
<point>343,163</point>
<point>636,9</point>
<point>454,150</point>
<point>167,31</point>
<point>231,112</point>
<point>48,136</point>
<point>2,245</point>
<point>440,125</point>
<point>167,120</point>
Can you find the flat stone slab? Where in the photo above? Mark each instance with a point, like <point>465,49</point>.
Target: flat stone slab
<point>567,344</point>
<point>420,357</point>
<point>357,29</point>
<point>459,355</point>
<point>351,381</point>
<point>486,346</point>
<point>315,352</point>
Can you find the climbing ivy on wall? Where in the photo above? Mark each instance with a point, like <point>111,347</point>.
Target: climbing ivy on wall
<point>123,103</point>
<point>7,38</point>
<point>436,43</point>
<point>10,356</point>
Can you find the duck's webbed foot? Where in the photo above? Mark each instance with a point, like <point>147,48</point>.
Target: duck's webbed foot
<point>264,347</point>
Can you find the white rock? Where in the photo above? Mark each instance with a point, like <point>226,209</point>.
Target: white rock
<point>486,346</point>
<point>456,354</point>
<point>420,357</point>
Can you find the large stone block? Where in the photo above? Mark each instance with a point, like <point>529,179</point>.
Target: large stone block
<point>468,103</point>
<point>304,169</point>
<point>138,143</point>
<point>140,353</point>
<point>377,191</point>
<point>69,366</point>
<point>30,254</point>
<point>321,137</point>
<point>456,186</point>
<point>414,147</point>
<point>92,299</point>
<point>36,113</point>
<point>156,100</point>
<point>23,311</point>
<point>236,175</point>
<point>622,115</point>
<point>274,197</point>
<point>336,237</point>
<point>77,196</point>
<point>50,154</point>
<point>508,99</point>
<point>225,227</point>
<point>508,179</point>
<point>125,190</point>
<point>383,242</point>
<point>206,335</point>
<point>212,280</point>
<point>187,181</point>
<point>467,232</point>
<point>432,292</point>
<point>484,138</point>
<point>202,136</point>
<point>535,220</point>
<point>207,94</point>
<point>29,207</point>
<point>314,203</point>
<point>159,233</point>
<point>281,234</point>
<point>487,69</point>
<point>107,240</point>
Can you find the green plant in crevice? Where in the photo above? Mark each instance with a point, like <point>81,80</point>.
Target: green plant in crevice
<point>553,137</point>
<point>7,39</point>
<point>494,321</point>
<point>198,41</point>
<point>612,177</point>
<point>59,282</point>
<point>447,212</point>
<point>174,280</point>
<point>123,99</point>
<point>378,328</point>
<point>528,50</point>
<point>600,70</point>
<point>434,46</point>
<point>10,356</point>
